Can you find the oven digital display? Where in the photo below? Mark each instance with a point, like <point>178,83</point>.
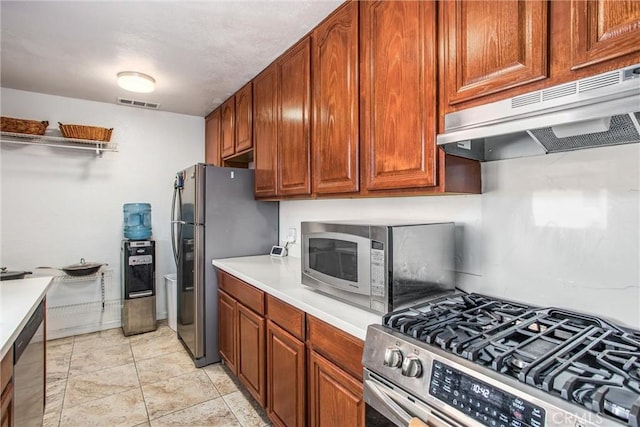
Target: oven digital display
<point>484,403</point>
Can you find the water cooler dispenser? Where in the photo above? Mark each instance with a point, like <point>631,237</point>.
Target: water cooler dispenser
<point>139,286</point>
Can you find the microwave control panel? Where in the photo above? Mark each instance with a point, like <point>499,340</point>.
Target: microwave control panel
<point>377,269</point>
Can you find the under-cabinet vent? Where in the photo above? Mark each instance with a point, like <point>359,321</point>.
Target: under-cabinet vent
<point>599,81</point>
<point>141,104</point>
<point>559,91</point>
<point>523,100</point>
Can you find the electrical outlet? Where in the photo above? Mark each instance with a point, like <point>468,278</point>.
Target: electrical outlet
<point>291,235</point>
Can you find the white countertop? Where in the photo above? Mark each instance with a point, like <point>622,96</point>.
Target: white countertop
<point>280,277</point>
<point>18,301</point>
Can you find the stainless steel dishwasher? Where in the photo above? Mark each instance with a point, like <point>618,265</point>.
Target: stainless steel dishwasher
<point>28,372</point>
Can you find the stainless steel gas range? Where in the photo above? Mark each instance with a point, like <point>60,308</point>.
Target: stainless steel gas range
<point>473,360</point>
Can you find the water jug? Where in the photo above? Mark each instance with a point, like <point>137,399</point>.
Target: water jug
<point>137,221</point>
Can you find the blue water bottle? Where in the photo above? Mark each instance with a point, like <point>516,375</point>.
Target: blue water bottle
<point>137,221</point>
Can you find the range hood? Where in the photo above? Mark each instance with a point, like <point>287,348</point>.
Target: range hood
<point>592,112</point>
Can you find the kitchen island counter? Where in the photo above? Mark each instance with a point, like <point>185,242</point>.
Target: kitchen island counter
<point>281,278</point>
<point>18,301</point>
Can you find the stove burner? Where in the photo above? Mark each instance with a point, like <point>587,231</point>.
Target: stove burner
<point>518,363</point>
<point>576,357</point>
<point>619,401</point>
<point>584,396</point>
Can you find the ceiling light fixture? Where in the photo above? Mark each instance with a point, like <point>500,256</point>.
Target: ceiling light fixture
<point>136,82</point>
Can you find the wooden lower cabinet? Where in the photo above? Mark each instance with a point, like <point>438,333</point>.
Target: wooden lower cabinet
<point>6,399</point>
<point>286,383</point>
<point>241,342</point>
<point>227,330</point>
<point>335,397</point>
<point>6,419</point>
<point>316,382</point>
<point>251,352</point>
<point>334,376</point>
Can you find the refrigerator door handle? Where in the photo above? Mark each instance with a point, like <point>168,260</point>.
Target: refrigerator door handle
<point>174,222</point>
<point>199,285</point>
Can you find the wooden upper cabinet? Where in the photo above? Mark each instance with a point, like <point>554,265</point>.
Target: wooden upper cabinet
<point>244,113</point>
<point>604,30</point>
<point>398,94</point>
<point>335,103</point>
<point>228,111</point>
<point>265,131</point>
<point>294,86</point>
<point>212,138</point>
<point>491,46</point>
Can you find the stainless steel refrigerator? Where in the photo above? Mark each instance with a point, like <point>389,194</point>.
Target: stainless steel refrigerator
<point>214,215</point>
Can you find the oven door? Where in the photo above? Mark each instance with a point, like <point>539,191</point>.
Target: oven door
<point>385,401</point>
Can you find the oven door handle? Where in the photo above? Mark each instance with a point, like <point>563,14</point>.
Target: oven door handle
<point>389,403</point>
<point>401,416</point>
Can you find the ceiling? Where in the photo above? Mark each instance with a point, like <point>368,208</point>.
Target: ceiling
<point>199,53</point>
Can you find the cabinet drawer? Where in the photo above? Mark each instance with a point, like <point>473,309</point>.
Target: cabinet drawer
<point>6,369</point>
<point>241,291</point>
<point>286,316</point>
<point>341,348</point>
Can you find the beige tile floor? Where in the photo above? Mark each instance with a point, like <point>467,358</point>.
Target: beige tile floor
<point>107,379</point>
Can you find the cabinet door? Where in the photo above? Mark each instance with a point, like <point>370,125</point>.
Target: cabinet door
<point>6,406</point>
<point>490,46</point>
<point>335,398</point>
<point>398,94</point>
<point>227,330</point>
<point>251,352</point>
<point>294,85</point>
<point>265,115</point>
<point>228,127</point>
<point>244,113</point>
<point>285,377</point>
<point>335,103</point>
<point>6,390</point>
<point>212,138</point>
<point>604,30</point>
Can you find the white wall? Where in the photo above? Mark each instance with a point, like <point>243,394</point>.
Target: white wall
<point>558,230</point>
<point>62,205</point>
<point>561,230</point>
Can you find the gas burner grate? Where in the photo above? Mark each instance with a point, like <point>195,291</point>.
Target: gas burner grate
<point>578,358</point>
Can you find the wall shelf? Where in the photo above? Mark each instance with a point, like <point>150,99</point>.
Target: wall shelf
<point>57,141</point>
<point>61,276</point>
<point>86,278</point>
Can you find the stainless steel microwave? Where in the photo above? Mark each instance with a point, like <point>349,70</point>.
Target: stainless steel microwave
<point>379,265</point>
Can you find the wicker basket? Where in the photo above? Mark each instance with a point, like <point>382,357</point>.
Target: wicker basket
<point>31,127</point>
<point>93,133</point>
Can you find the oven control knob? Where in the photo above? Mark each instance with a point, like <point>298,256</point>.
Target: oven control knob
<point>393,357</point>
<point>411,367</point>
